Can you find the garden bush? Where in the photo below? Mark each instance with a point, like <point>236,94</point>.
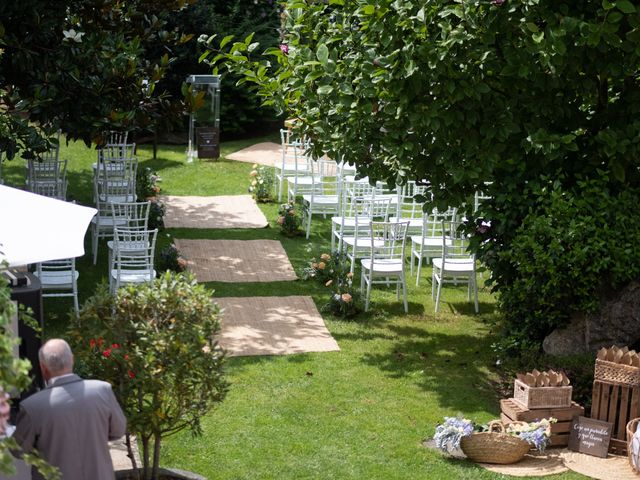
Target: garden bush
<point>572,247</point>
<point>154,344</point>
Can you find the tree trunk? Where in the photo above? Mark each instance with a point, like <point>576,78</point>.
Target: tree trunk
<point>156,455</point>
<point>134,464</point>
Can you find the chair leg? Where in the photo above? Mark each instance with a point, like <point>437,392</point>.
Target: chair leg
<point>94,245</point>
<point>440,279</point>
<point>419,269</point>
<point>475,288</point>
<point>404,294</point>
<point>368,295</point>
<point>333,236</point>
<point>280,188</point>
<point>309,213</point>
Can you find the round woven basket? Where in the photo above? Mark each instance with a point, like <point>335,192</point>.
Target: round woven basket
<point>494,446</point>
<point>632,426</point>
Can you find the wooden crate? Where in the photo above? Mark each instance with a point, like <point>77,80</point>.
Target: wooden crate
<point>541,397</point>
<point>512,411</point>
<point>616,404</point>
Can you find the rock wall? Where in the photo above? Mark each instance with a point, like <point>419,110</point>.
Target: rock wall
<point>617,323</point>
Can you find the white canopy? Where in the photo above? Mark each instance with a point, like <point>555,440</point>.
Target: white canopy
<point>34,228</point>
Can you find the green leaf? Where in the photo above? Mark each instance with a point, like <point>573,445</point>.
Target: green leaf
<point>323,53</point>
<point>369,9</point>
<point>625,6</point>
<point>325,90</point>
<point>226,40</point>
<point>538,37</point>
<point>532,27</point>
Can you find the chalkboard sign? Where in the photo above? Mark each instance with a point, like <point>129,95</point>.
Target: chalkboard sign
<point>590,436</point>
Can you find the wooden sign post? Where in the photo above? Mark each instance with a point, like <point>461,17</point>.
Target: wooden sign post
<point>590,436</point>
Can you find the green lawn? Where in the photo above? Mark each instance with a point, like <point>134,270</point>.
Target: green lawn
<point>361,413</point>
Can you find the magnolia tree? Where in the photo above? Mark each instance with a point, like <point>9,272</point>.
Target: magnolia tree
<point>155,344</point>
<point>532,102</point>
<point>84,66</point>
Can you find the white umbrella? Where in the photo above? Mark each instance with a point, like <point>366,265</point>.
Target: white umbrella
<point>34,228</point>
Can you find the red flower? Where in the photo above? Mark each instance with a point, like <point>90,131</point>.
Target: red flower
<point>100,341</point>
<point>92,342</point>
<point>115,345</point>
<point>107,353</point>
<point>132,374</point>
<point>126,357</point>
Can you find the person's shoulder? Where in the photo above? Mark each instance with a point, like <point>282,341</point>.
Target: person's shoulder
<point>97,384</point>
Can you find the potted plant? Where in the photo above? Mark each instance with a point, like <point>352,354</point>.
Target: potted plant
<point>154,343</point>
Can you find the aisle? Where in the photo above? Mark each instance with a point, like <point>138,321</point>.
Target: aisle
<point>254,325</point>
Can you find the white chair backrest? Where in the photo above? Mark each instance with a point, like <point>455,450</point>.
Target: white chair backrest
<point>134,215</point>
<point>114,137</point>
<point>388,240</point>
<point>455,242</point>
<point>134,248</point>
<point>113,152</point>
<point>407,205</point>
<point>116,179</point>
<point>65,265</point>
<point>433,222</point>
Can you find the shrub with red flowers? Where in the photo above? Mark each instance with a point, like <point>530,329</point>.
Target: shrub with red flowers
<point>154,344</point>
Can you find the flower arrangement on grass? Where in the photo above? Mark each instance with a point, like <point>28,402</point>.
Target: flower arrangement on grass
<point>289,220</point>
<point>333,271</point>
<point>261,183</point>
<point>147,184</point>
<point>450,433</point>
<point>154,343</point>
<point>169,259</point>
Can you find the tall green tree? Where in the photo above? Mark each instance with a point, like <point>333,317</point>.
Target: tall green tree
<point>534,102</point>
<point>82,66</point>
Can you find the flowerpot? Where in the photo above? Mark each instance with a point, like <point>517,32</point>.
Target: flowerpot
<point>165,474</point>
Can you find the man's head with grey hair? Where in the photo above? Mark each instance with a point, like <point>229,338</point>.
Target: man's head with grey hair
<point>55,358</point>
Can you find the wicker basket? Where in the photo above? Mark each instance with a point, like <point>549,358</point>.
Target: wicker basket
<point>631,430</point>
<point>541,397</point>
<point>617,373</point>
<point>494,446</point>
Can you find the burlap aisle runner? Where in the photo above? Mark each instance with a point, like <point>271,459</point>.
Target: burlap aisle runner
<point>273,326</point>
<point>236,260</point>
<point>225,211</point>
<point>266,153</point>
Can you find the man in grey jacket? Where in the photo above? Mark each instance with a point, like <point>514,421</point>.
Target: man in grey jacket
<point>70,421</point>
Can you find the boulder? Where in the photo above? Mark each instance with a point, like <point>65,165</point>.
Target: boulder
<point>616,323</point>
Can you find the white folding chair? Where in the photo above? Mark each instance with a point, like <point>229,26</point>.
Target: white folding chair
<point>428,244</point>
<point>133,215</point>
<point>289,165</point>
<point>59,278</point>
<point>134,252</point>
<point>455,264</point>
<point>386,262</point>
<point>115,180</point>
<point>408,208</point>
<point>103,225</point>
<point>324,199</point>
<point>357,244</point>
<point>47,177</point>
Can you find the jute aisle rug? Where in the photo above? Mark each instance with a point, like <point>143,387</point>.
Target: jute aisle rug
<point>225,211</point>
<point>269,154</point>
<point>236,260</point>
<point>273,326</point>
<point>266,153</point>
